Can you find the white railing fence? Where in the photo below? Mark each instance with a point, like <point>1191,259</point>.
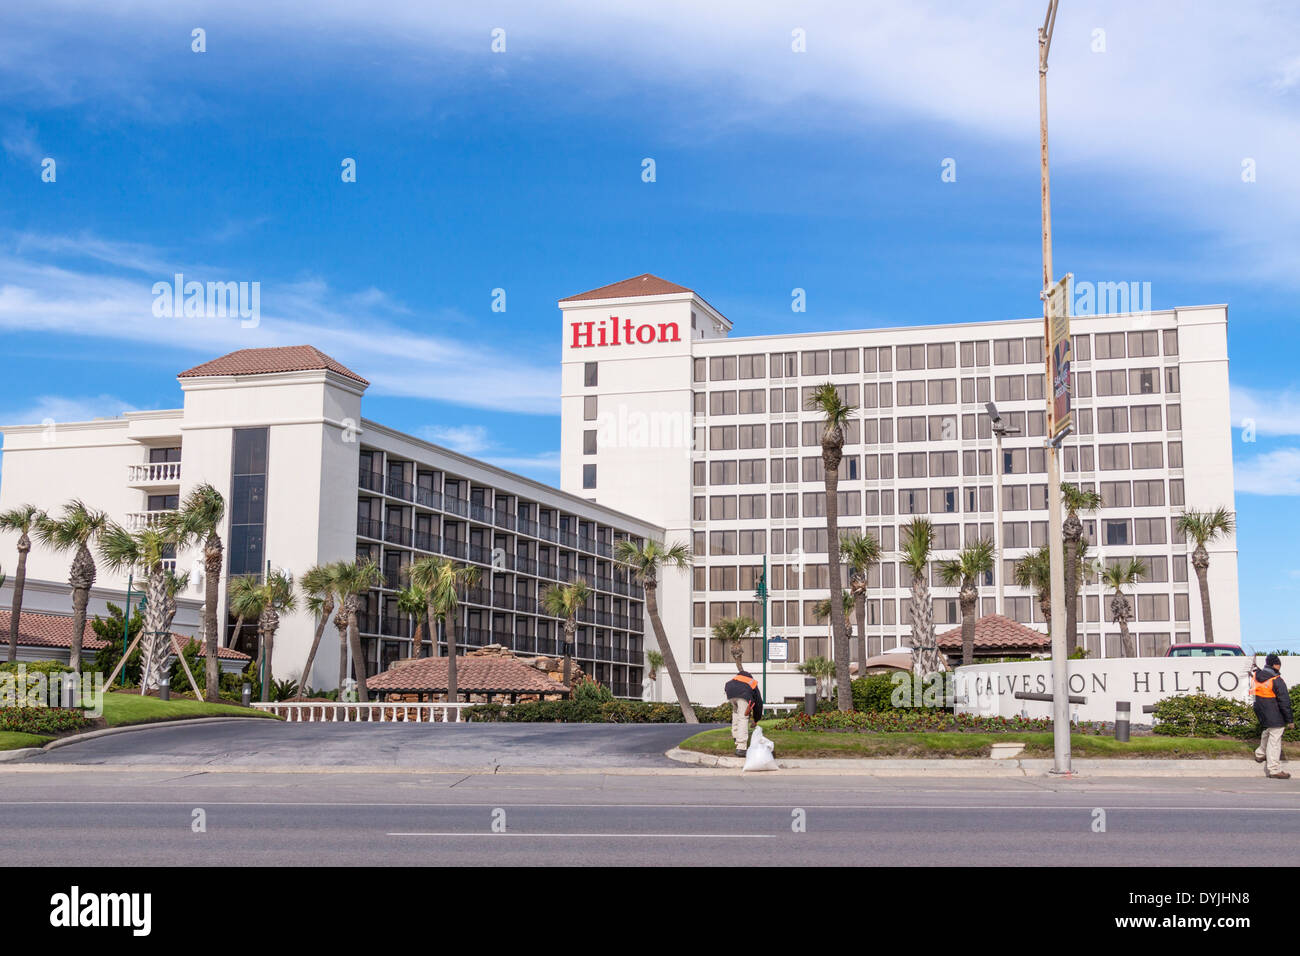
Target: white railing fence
<point>379,712</point>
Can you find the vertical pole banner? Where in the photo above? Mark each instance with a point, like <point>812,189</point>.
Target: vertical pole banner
<point>1058,357</point>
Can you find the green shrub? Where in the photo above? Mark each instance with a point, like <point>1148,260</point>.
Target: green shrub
<point>915,721</point>
<point>611,711</point>
<point>592,692</point>
<point>36,667</point>
<point>872,693</point>
<point>1200,715</point>
<point>42,720</point>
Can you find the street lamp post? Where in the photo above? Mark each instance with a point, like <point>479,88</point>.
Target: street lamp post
<point>761,595</point>
<point>1000,431</point>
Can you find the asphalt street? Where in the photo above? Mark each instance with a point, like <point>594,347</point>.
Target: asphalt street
<point>86,805</point>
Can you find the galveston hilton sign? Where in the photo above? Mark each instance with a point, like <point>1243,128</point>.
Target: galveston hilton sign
<point>610,332</point>
<point>990,689</point>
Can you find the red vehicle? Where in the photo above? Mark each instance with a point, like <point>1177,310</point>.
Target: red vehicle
<point>1204,650</point>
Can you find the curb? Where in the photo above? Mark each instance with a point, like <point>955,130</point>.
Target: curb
<point>17,754</point>
<point>987,767</point>
<point>22,753</point>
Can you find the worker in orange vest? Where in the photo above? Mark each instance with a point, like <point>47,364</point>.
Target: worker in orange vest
<point>1273,708</point>
<point>746,701</point>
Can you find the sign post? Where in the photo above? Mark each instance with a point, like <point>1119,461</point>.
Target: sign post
<point>761,594</point>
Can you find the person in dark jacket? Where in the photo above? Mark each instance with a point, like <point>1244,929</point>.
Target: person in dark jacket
<point>746,701</point>
<point>1273,708</point>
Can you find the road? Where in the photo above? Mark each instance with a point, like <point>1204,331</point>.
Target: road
<point>88,804</point>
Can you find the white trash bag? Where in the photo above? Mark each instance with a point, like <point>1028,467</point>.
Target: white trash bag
<point>759,755</point>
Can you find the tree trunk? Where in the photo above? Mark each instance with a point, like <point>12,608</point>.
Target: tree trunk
<point>670,661</point>
<point>453,689</point>
<point>1201,562</point>
<point>212,552</point>
<point>235,635</point>
<point>154,643</point>
<point>832,453</point>
<point>924,653</point>
<point>266,625</point>
<point>969,596</point>
<point>326,610</point>
<point>418,651</point>
<point>1071,587</point>
<point>341,625</point>
<point>358,659</point>
<point>82,579</point>
<point>16,608</point>
<point>570,633</point>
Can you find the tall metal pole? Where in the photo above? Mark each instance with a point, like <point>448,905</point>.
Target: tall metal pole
<point>1000,570</point>
<point>762,596</point>
<point>1060,679</point>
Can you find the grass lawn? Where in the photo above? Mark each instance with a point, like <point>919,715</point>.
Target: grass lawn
<point>121,709</point>
<point>795,744</point>
<point>11,740</point>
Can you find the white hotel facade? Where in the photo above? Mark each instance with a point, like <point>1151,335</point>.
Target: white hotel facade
<point>674,430</point>
<point>667,416</point>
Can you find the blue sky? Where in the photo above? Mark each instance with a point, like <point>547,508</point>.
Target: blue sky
<point>521,170</point>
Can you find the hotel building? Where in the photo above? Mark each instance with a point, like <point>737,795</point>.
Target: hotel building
<point>307,480</point>
<point>667,416</point>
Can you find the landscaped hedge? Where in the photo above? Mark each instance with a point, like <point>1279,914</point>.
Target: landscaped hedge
<point>42,720</point>
<point>1201,715</point>
<point>592,712</point>
<point>911,721</point>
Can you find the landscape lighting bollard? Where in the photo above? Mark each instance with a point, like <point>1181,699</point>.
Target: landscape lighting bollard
<point>810,695</point>
<point>68,691</point>
<point>1121,720</point>
<point>247,694</point>
<point>165,689</point>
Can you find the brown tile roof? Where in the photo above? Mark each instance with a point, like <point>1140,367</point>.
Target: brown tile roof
<point>223,653</point>
<point>993,632</point>
<point>287,358</point>
<point>49,630</point>
<point>478,675</point>
<point>645,284</point>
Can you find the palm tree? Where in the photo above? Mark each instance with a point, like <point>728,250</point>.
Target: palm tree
<point>75,530</point>
<point>244,600</point>
<point>565,601</point>
<point>917,538</point>
<point>825,398</point>
<point>277,595</point>
<point>351,581</point>
<point>860,552</point>
<point>1034,571</point>
<point>23,519</point>
<point>655,660</point>
<point>964,571</point>
<point>1075,500</point>
<point>441,579</point>
<point>1204,527</point>
<point>1119,576</point>
<point>821,668</point>
<point>318,593</point>
<point>734,630</point>
<point>199,519</point>
<point>415,602</point>
<point>822,610</point>
<point>144,551</point>
<point>644,561</point>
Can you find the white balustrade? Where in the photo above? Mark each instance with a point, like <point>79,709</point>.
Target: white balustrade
<point>381,712</point>
<point>154,473</point>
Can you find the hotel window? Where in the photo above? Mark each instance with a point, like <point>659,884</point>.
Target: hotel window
<point>589,476</point>
<point>844,361</point>
<point>1034,386</point>
<point>912,501</point>
<point>1148,455</point>
<point>943,464</point>
<point>753,471</point>
<point>722,368</point>
<point>722,403</point>
<point>1171,341</point>
<point>1110,345</point>
<point>911,429</point>
<point>941,391</point>
<point>1157,568</point>
<point>1176,491</point>
<point>722,542</point>
<point>885,358</point>
<point>1014,461</point>
<point>1174,417</point>
<point>700,367</point>
<point>947,537</point>
<point>722,508</point>
<point>1143,344</point>
<point>943,427</point>
<point>698,474</point>
<point>248,500</point>
<point>967,354</point>
<point>753,506</point>
<point>1171,380</point>
<point>1038,424</point>
<point>1114,458</point>
<point>1175,454</point>
<point>1081,348</point>
<point>752,436</point>
<point>158,456</point>
<point>911,393</point>
<point>701,404</point>
<point>1009,352</point>
<point>753,366</point>
<point>1115,531</point>
<point>912,465</point>
<point>1015,497</point>
<point>816,363</point>
<point>1009,388</point>
<point>943,355</point>
<point>589,408</point>
<point>1083,385</point>
<point>589,442</point>
<point>1038,497</point>
<point>589,375</point>
<point>1034,350</point>
<point>943,501</point>
<point>1116,494</point>
<point>1015,534</point>
<point>1111,420</point>
<point>751,401</point>
<point>1153,607</point>
<point>886,395</point>
<point>1145,418</point>
<point>722,472</point>
<point>722,437</point>
<point>1082,420</point>
<point>1181,608</point>
<point>911,358</point>
<point>698,512</point>
<point>886,438</point>
<point>1148,530</point>
<point>1143,381</point>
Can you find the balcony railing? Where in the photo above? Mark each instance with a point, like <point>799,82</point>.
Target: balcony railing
<point>369,528</point>
<point>396,534</point>
<point>401,489</point>
<point>371,480</point>
<point>154,473</point>
<point>139,520</point>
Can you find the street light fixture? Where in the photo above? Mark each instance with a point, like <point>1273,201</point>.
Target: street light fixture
<point>1000,431</point>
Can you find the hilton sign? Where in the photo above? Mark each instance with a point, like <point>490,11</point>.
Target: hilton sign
<point>610,332</point>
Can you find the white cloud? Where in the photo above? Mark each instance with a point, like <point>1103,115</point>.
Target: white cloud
<point>364,330</point>
<point>1272,413</point>
<point>1272,473</point>
<point>63,409</point>
<point>466,439</point>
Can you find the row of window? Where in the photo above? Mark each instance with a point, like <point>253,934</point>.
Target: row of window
<point>850,361</point>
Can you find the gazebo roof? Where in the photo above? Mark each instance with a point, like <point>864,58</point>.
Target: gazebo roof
<point>474,675</point>
<point>993,632</point>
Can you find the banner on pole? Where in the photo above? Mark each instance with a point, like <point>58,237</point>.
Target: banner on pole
<point>1057,319</point>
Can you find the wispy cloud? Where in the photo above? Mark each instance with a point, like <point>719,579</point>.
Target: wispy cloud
<point>1272,473</point>
<point>1270,412</point>
<point>65,408</point>
<point>366,329</point>
<point>466,439</point>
